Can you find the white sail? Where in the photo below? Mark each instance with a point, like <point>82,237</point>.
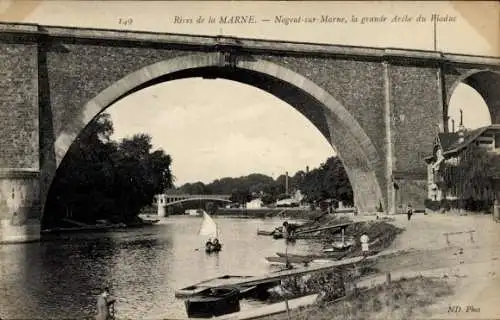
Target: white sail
<point>208,227</point>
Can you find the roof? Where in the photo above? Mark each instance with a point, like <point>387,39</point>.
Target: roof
<point>469,137</point>
<point>446,139</point>
<point>449,141</point>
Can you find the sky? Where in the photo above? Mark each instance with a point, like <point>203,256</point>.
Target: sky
<point>217,128</point>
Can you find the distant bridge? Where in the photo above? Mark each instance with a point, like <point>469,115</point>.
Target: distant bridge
<point>171,199</point>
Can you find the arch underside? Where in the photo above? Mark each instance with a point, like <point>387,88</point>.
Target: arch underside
<point>487,84</point>
<point>335,123</point>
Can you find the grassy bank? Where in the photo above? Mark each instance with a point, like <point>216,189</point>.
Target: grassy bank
<point>402,299</point>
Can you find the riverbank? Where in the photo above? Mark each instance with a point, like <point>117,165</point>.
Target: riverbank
<point>401,299</point>
<point>72,226</point>
<point>458,270</point>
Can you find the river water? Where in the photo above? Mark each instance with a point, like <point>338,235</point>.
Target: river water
<point>60,278</point>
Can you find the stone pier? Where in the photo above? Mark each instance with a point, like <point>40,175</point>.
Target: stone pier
<point>19,206</point>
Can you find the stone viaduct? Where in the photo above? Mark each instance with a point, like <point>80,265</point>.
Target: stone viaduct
<point>379,108</point>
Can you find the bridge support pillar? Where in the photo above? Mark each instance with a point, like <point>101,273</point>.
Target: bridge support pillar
<point>19,206</point>
<point>161,204</point>
<point>390,206</point>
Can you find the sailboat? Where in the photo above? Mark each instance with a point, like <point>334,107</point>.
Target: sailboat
<point>210,230</point>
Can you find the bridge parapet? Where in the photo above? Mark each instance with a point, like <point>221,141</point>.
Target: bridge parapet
<point>224,43</point>
<point>164,199</point>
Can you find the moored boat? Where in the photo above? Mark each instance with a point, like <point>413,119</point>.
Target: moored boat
<point>264,233</point>
<point>213,302</point>
<point>289,260</point>
<point>196,288</point>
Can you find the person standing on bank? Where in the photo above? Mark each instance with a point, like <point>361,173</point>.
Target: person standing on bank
<point>409,211</point>
<point>105,303</point>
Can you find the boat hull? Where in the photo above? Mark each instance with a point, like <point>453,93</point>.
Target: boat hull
<point>213,303</point>
<point>291,260</point>
<point>265,233</point>
<point>199,287</point>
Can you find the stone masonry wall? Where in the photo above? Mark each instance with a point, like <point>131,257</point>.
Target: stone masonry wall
<point>78,72</point>
<point>357,85</point>
<point>18,106</point>
<point>416,115</point>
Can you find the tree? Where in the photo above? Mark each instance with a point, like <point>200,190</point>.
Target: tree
<point>472,177</point>
<point>329,181</point>
<point>102,179</point>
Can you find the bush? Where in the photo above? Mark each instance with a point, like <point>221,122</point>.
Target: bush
<point>467,204</point>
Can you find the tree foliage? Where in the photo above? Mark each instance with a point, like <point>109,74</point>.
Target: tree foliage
<point>329,181</point>
<point>472,177</point>
<point>103,179</point>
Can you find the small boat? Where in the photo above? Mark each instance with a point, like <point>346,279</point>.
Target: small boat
<point>290,260</point>
<point>196,288</point>
<point>264,233</point>
<point>309,256</point>
<point>210,230</point>
<point>213,302</point>
<point>341,244</point>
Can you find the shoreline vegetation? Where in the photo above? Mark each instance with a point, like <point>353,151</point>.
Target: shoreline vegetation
<point>338,294</point>
<point>103,179</point>
<point>406,298</point>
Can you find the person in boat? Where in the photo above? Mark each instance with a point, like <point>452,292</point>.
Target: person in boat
<point>209,245</point>
<point>105,306</point>
<point>216,244</point>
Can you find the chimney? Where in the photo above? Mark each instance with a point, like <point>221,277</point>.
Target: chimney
<point>461,136</point>
<point>452,125</point>
<point>307,169</point>
<point>286,182</point>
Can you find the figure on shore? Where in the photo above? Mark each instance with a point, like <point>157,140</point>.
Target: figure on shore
<point>364,244</point>
<point>105,306</point>
<point>409,211</point>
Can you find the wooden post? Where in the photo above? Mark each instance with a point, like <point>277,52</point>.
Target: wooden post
<point>388,292</point>
<point>286,266</point>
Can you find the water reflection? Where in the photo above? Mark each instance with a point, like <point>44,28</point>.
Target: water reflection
<point>61,277</point>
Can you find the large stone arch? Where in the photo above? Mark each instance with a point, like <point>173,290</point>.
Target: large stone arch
<point>487,83</point>
<point>338,126</point>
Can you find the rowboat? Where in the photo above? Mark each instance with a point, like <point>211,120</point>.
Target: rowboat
<point>199,287</point>
<point>290,260</point>
<point>264,232</point>
<point>213,302</point>
<point>297,261</point>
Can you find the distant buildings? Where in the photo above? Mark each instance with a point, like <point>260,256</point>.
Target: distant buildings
<point>293,201</point>
<point>254,204</point>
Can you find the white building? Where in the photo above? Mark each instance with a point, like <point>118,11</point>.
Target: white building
<point>254,204</point>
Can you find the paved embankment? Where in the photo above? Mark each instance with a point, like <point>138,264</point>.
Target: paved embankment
<point>471,264</point>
